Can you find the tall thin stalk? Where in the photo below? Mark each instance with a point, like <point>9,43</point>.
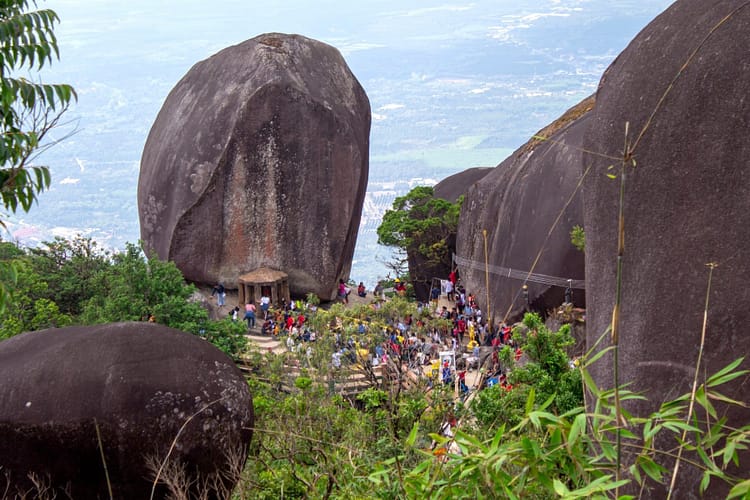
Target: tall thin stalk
<point>711,267</point>
<point>104,460</point>
<point>627,158</point>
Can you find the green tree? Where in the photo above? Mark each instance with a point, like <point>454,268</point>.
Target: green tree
<point>419,222</point>
<point>135,287</point>
<point>28,308</point>
<point>423,229</point>
<point>9,251</point>
<point>72,269</point>
<point>28,110</point>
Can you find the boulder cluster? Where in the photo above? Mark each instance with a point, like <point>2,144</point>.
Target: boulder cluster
<point>660,156</point>
<point>259,159</point>
<point>515,223</point>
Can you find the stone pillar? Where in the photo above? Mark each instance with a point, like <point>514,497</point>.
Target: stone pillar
<point>241,293</point>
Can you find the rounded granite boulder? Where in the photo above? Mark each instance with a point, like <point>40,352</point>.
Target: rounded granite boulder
<point>676,102</point>
<point>258,158</point>
<point>132,396</point>
<point>527,205</point>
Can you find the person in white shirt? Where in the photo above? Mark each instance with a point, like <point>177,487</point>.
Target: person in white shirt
<point>265,303</point>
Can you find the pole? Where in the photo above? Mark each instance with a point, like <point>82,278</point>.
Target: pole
<point>487,275</point>
<point>525,288</point>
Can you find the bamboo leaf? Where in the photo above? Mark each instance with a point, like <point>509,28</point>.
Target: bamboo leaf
<point>495,445</point>
<point>702,399</point>
<point>412,438</point>
<point>725,399</point>
<point>726,374</point>
<point>599,354</point>
<point>729,452</point>
<point>651,468</point>
<point>530,401</point>
<point>677,425</point>
<point>547,403</point>
<point>589,383</point>
<point>579,423</point>
<point>740,490</point>
<point>705,481</point>
<point>560,488</point>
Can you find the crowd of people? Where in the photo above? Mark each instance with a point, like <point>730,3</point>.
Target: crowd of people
<point>451,322</point>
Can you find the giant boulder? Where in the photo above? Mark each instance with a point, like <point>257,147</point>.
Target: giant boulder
<point>678,97</point>
<point>527,205</point>
<point>259,158</point>
<point>128,395</point>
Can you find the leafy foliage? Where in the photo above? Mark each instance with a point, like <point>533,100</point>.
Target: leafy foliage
<point>68,282</point>
<point>72,270</point>
<point>546,373</point>
<point>421,223</point>
<point>29,309</point>
<point>28,110</point>
<point>574,454</point>
<point>137,287</point>
<point>578,238</point>
<point>27,42</point>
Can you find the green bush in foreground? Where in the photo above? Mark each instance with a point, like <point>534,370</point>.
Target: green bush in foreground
<point>575,455</point>
<point>528,442</point>
<point>74,282</point>
<point>546,370</point>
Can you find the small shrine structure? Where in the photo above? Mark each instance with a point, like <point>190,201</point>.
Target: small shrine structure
<point>263,281</point>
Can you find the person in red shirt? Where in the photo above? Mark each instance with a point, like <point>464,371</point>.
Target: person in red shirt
<point>461,329</point>
<point>496,341</point>
<point>495,358</point>
<point>400,287</point>
<point>462,381</point>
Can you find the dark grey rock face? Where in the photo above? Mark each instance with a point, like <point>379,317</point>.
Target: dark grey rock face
<point>451,188</point>
<point>259,157</point>
<point>686,204</point>
<point>140,383</point>
<point>518,204</point>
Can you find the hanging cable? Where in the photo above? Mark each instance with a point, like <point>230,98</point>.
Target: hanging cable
<point>525,276</point>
